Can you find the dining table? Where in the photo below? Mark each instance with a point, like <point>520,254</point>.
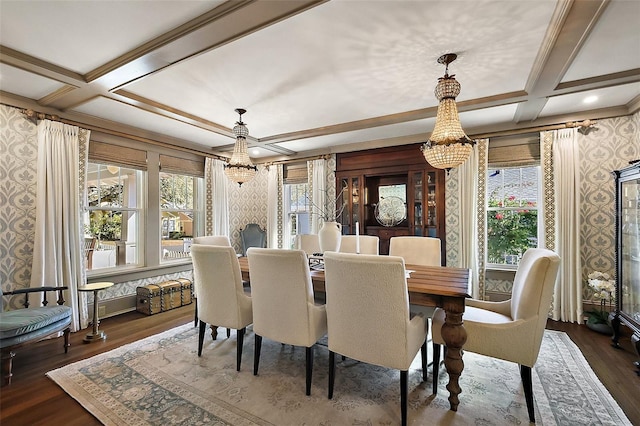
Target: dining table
<point>442,286</point>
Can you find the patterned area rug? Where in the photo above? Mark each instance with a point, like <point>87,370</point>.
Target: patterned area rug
<point>161,381</point>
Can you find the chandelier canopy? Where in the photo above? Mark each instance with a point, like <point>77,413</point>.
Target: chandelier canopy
<point>448,145</point>
<point>240,168</point>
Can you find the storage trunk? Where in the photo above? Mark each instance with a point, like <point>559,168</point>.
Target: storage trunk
<point>154,298</point>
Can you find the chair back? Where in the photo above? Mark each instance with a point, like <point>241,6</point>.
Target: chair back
<point>423,251</point>
<point>89,247</point>
<point>253,236</point>
<point>368,308</point>
<point>369,244</point>
<point>218,284</point>
<point>213,240</point>
<point>309,243</point>
<point>282,295</point>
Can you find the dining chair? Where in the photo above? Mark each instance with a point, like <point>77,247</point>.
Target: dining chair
<point>308,243</point>
<point>368,316</point>
<point>283,305</point>
<point>221,300</point>
<point>510,330</point>
<point>252,236</point>
<point>369,244</point>
<point>423,251</point>
<point>213,240</point>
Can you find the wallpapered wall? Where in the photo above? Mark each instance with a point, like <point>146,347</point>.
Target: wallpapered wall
<point>247,204</point>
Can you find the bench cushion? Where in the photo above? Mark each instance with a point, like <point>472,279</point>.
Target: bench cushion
<point>21,322</point>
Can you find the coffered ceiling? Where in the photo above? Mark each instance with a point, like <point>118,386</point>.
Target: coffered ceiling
<point>317,76</point>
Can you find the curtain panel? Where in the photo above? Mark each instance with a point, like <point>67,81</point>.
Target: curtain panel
<point>216,198</point>
<point>561,218</point>
<point>317,170</point>
<point>275,207</point>
<point>58,255</point>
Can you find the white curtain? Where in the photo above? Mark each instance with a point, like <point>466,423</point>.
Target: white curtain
<point>217,198</point>
<point>318,187</point>
<point>275,208</point>
<point>58,255</point>
<point>469,182</point>
<point>561,175</point>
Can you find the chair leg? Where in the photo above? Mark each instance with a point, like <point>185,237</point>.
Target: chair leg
<point>525,374</point>
<point>228,332</point>
<point>309,368</point>
<point>7,366</point>
<point>256,354</point>
<point>195,316</point>
<point>201,330</point>
<point>239,348</point>
<point>423,354</point>
<point>67,331</point>
<point>404,390</point>
<point>332,372</point>
<point>436,365</point>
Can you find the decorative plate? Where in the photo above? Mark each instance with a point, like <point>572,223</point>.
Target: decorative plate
<point>390,211</point>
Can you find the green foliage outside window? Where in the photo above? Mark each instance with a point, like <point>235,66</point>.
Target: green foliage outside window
<point>511,229</point>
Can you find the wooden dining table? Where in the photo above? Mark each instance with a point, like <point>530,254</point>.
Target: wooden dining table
<point>441,286</point>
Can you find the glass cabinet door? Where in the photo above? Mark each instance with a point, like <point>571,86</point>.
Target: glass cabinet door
<point>630,247</point>
<point>418,221</point>
<point>432,217</point>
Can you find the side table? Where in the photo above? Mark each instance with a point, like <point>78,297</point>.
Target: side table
<point>96,335</point>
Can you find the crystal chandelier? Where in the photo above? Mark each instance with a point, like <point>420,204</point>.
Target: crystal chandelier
<point>240,168</point>
<point>448,145</point>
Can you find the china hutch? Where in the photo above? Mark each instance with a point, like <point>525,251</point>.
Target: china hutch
<point>628,255</point>
<point>391,192</point>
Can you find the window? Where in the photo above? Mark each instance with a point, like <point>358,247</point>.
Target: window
<point>114,216</point>
<point>180,210</point>
<point>512,213</point>
<point>297,207</point>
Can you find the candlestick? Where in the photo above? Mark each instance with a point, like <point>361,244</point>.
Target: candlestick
<point>357,238</point>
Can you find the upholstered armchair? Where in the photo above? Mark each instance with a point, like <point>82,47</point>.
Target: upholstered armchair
<point>20,327</point>
<point>283,305</point>
<point>368,316</point>
<point>253,236</point>
<point>511,330</point>
<point>221,298</point>
<point>369,244</point>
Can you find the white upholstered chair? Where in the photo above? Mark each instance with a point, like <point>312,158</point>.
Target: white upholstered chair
<point>368,315</point>
<point>511,330</point>
<point>283,305</point>
<point>213,240</point>
<point>308,243</point>
<point>221,298</point>
<point>369,244</point>
<point>423,251</point>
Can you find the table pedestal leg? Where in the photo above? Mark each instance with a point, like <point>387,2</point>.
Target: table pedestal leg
<point>454,336</point>
<point>96,335</point>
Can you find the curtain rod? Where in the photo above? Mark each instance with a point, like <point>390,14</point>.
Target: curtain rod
<point>584,126</point>
<point>34,116</point>
<point>298,160</point>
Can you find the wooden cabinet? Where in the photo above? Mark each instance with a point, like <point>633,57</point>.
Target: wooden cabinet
<point>365,176</point>
<point>628,255</point>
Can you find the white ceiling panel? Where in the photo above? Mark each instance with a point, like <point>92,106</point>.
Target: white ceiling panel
<point>344,61</point>
<point>609,97</point>
<point>26,84</point>
<point>126,114</point>
<point>82,35</point>
<point>613,45</point>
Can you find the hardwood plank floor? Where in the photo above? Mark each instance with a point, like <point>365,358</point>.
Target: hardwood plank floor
<point>34,399</point>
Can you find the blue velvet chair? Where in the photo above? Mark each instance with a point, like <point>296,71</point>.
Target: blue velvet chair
<point>21,327</point>
<point>253,236</point>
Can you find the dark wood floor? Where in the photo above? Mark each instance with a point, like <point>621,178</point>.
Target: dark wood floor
<point>34,399</point>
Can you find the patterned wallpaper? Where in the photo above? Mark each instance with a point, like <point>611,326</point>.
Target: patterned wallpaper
<point>247,204</point>
<point>610,146</point>
<point>18,173</point>
<point>452,218</point>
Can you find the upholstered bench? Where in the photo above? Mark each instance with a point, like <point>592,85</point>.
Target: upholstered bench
<point>23,326</point>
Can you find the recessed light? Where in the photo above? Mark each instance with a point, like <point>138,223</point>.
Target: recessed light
<point>590,99</point>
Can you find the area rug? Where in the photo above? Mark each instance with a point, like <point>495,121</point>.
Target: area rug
<point>161,381</point>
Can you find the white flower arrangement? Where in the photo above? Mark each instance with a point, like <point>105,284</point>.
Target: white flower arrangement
<point>604,289</point>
